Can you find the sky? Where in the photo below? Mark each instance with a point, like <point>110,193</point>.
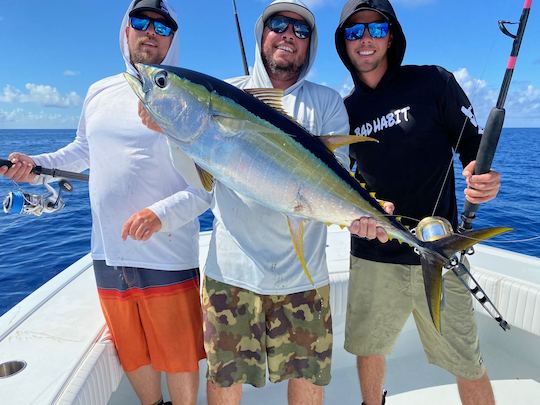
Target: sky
<point>53,51</point>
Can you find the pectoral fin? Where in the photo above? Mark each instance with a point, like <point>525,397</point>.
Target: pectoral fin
<point>334,142</point>
<point>185,165</point>
<point>233,126</point>
<point>296,228</point>
<point>206,178</point>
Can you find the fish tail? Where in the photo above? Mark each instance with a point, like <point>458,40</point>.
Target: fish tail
<point>436,254</point>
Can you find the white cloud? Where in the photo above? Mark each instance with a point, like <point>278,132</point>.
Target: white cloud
<point>522,103</point>
<point>42,94</point>
<point>19,118</point>
<point>346,87</point>
<point>10,116</point>
<point>70,73</point>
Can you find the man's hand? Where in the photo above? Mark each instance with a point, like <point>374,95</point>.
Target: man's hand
<point>141,225</point>
<point>21,168</point>
<point>481,187</point>
<point>366,227</point>
<point>147,119</point>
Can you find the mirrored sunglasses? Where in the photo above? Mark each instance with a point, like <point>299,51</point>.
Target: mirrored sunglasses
<point>280,23</point>
<point>142,23</point>
<point>376,30</point>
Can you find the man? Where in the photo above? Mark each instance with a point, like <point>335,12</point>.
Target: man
<point>148,290</point>
<point>418,114</point>
<point>259,308</point>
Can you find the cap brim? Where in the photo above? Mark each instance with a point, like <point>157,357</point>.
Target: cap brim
<point>294,8</point>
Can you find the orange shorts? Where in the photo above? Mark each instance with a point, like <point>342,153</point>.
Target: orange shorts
<point>154,316</point>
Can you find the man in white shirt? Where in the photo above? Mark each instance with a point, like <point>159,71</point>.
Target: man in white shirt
<point>144,231</point>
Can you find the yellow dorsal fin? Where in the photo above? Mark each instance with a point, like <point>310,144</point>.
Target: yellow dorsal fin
<point>333,142</point>
<point>207,179</point>
<point>271,97</point>
<point>363,185</point>
<point>372,194</point>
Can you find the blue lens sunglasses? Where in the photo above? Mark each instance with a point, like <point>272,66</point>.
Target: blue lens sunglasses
<point>376,30</point>
<point>142,24</point>
<point>280,23</point>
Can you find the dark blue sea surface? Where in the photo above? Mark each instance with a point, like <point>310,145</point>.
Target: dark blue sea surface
<point>33,250</point>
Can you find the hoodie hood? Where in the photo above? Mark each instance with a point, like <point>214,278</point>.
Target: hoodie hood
<point>173,55</point>
<point>259,77</point>
<point>396,51</point>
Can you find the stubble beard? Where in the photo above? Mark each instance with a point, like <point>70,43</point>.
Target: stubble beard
<point>139,55</point>
<point>289,69</point>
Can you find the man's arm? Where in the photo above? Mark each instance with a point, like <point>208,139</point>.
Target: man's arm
<point>461,122</point>
<point>167,215</point>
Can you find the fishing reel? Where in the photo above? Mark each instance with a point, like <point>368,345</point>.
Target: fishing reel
<point>20,202</point>
<point>433,228</point>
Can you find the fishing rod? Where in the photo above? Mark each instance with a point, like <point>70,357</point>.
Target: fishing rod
<point>38,170</point>
<point>432,225</point>
<point>21,202</point>
<point>495,121</point>
<point>484,158</point>
<point>240,39</point>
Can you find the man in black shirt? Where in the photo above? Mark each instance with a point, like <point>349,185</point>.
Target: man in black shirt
<point>419,114</point>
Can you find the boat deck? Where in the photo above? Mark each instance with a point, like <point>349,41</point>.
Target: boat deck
<point>59,332</point>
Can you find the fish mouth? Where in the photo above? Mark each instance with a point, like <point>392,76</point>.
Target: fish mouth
<point>136,85</point>
<point>141,84</point>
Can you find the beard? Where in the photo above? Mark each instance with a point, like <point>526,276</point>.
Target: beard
<point>290,68</point>
<point>147,56</point>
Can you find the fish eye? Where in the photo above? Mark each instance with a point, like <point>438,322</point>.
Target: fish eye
<point>161,79</point>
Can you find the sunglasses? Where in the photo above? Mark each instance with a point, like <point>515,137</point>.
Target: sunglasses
<point>142,24</point>
<point>376,30</point>
<point>280,23</point>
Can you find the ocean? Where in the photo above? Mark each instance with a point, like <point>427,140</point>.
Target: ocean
<point>35,249</point>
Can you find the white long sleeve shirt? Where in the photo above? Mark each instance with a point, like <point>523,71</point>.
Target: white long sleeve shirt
<point>251,246</point>
<point>131,169</point>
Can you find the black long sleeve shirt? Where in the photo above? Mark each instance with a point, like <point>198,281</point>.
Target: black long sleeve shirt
<point>417,114</point>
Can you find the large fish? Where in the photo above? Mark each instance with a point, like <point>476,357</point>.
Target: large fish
<point>263,154</point>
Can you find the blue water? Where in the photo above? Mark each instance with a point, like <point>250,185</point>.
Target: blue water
<point>33,250</point>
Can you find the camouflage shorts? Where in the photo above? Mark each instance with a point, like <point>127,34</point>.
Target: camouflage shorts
<point>242,329</point>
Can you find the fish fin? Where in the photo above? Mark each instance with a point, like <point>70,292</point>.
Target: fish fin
<point>296,228</point>
<point>206,178</point>
<point>435,255</point>
<point>271,97</point>
<point>334,142</point>
<point>233,125</point>
<point>184,165</point>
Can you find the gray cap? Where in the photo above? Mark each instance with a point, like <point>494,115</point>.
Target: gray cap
<point>277,7</point>
<point>157,6</point>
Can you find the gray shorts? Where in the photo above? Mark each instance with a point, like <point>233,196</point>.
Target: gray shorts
<point>381,298</point>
